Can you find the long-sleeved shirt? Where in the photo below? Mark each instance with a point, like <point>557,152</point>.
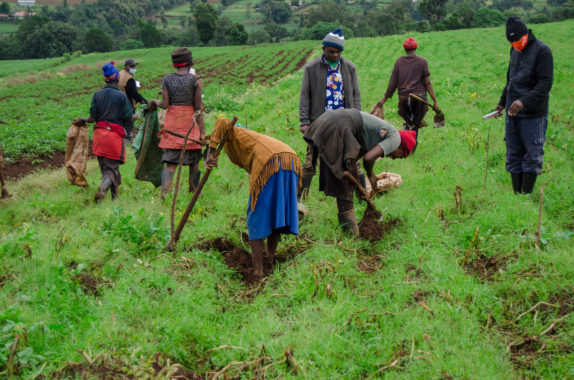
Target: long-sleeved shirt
<point>408,76</point>
<point>112,105</point>
<point>529,78</point>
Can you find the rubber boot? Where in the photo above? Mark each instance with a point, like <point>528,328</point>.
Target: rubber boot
<point>348,222</point>
<point>166,180</point>
<point>305,184</point>
<point>516,182</point>
<point>528,181</point>
<point>115,192</point>
<point>194,177</point>
<point>102,190</point>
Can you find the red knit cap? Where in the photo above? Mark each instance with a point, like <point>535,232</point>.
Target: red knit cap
<point>410,44</point>
<point>408,141</point>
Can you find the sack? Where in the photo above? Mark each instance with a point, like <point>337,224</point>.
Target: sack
<point>77,151</point>
<point>147,150</point>
<point>385,181</point>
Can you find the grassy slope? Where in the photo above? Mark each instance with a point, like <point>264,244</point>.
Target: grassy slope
<point>367,320</point>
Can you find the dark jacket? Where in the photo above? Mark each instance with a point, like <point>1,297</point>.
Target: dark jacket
<point>312,98</point>
<point>112,105</point>
<point>337,136</point>
<point>529,78</point>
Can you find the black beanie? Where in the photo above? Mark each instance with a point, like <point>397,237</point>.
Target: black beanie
<point>181,56</point>
<point>515,29</point>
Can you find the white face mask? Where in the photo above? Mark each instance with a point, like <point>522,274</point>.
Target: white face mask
<point>132,71</point>
<point>192,70</point>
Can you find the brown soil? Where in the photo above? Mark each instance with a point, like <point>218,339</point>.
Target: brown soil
<point>373,230</point>
<point>239,259</point>
<point>486,268</point>
<point>369,264</point>
<point>111,366</point>
<point>565,301</point>
<point>89,284</point>
<point>26,165</point>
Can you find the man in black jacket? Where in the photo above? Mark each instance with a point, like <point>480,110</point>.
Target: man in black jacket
<point>525,98</point>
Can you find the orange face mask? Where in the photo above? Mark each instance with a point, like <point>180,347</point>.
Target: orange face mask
<point>521,43</point>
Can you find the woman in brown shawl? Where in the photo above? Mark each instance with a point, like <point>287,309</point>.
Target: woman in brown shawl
<point>275,173</point>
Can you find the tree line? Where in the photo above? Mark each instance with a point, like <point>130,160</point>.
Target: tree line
<point>107,25</point>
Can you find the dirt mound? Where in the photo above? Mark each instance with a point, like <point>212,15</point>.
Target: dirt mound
<point>26,165</point>
<point>220,244</point>
<point>485,268</point>
<point>88,283</point>
<point>371,229</point>
<point>239,259</point>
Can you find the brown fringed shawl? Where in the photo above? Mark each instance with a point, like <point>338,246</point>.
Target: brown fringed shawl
<point>261,156</point>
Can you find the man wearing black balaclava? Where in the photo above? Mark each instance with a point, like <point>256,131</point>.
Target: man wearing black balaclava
<point>525,98</point>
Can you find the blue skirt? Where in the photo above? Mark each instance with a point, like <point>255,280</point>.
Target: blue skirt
<point>276,207</point>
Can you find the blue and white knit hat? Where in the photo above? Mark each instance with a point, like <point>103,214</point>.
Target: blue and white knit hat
<point>335,39</point>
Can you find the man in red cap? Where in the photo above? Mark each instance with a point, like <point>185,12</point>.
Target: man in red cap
<point>410,76</point>
<point>340,138</point>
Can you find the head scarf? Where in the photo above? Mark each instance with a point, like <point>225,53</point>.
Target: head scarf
<point>408,142</point>
<point>410,44</point>
<point>181,57</point>
<point>111,74</point>
<point>335,39</point>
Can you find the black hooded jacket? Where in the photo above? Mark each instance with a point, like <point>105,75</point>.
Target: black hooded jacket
<point>529,78</point>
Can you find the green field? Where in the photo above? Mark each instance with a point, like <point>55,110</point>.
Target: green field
<point>89,290</point>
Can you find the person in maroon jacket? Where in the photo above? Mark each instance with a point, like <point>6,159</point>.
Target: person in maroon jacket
<point>410,76</point>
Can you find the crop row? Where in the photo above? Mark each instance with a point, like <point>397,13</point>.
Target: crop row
<point>37,107</point>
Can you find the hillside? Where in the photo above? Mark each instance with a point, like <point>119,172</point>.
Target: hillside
<point>455,289</point>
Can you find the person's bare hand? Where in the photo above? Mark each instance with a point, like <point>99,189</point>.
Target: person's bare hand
<point>80,121</point>
<point>303,128</point>
<point>499,110</point>
<point>515,107</point>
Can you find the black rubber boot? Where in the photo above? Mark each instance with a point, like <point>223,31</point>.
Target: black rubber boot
<point>516,182</point>
<point>166,180</point>
<point>348,222</point>
<point>102,190</point>
<point>305,184</point>
<point>528,181</point>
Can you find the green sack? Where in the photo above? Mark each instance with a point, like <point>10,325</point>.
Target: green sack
<point>148,153</point>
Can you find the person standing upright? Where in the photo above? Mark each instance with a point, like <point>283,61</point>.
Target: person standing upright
<point>410,75</point>
<point>111,110</point>
<point>181,96</point>
<point>329,82</point>
<point>128,85</point>
<point>525,97</point>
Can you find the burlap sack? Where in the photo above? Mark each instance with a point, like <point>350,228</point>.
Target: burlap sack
<point>385,181</point>
<point>77,151</point>
<point>161,116</point>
